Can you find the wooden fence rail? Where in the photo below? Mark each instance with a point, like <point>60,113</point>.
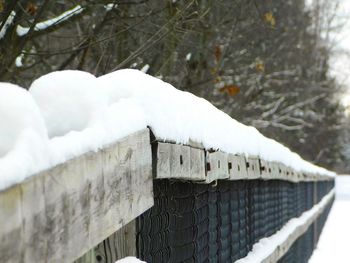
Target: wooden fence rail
<point>62,213</point>
<point>76,208</point>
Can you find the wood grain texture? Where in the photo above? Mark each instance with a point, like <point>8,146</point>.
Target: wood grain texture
<point>275,170</point>
<point>253,167</point>
<point>184,162</point>
<point>11,242</point>
<point>217,166</point>
<point>120,244</point>
<point>179,161</point>
<point>266,170</point>
<point>60,214</point>
<point>238,166</point>
<point>35,228</point>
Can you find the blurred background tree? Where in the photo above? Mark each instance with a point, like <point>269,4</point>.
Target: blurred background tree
<point>265,63</point>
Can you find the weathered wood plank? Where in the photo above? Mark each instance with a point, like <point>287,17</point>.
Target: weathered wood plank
<point>266,171</point>
<point>217,166</point>
<point>197,164</point>
<point>162,159</point>
<point>125,241</point>
<point>284,170</point>
<point>91,256</point>
<point>119,245</point>
<point>175,161</point>
<point>11,242</point>
<point>62,213</point>
<point>238,166</point>
<point>179,161</point>
<point>253,167</point>
<point>35,228</point>
<point>275,170</point>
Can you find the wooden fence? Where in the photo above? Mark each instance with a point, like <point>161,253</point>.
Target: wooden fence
<point>85,209</point>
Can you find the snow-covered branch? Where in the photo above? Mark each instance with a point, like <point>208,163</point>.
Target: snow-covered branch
<point>284,119</point>
<point>110,6</point>
<point>7,23</point>
<point>274,109</point>
<point>302,103</point>
<point>21,31</point>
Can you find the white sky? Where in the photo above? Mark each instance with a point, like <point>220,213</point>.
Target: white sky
<point>333,245</point>
<point>340,60</point>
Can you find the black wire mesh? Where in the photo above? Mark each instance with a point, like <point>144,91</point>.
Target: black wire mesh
<point>204,223</point>
<point>303,247</point>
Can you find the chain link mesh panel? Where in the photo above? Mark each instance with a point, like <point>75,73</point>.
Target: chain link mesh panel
<point>220,223</point>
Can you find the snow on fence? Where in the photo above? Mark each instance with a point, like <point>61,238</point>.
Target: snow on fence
<point>99,186</point>
<point>60,214</point>
<point>217,207</point>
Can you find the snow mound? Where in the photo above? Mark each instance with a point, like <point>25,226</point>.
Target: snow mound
<point>130,260</point>
<point>23,135</point>
<point>69,100</point>
<point>68,113</point>
<point>18,114</point>
<point>117,121</point>
<point>180,116</point>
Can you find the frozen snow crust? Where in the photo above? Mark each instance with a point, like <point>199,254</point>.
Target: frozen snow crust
<point>68,113</point>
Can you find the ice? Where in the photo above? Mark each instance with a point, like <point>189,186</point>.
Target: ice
<point>69,100</point>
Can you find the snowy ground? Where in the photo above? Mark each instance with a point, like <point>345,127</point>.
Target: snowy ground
<point>333,245</point>
<point>130,260</point>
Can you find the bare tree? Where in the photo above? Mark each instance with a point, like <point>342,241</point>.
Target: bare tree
<point>263,62</point>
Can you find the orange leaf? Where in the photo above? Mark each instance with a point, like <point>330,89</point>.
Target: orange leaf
<point>218,53</point>
<point>260,66</point>
<point>231,90</point>
<point>217,79</point>
<point>31,8</point>
<point>269,18</point>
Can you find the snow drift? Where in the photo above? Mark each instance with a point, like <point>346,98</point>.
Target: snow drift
<point>23,136</point>
<point>68,100</point>
<point>81,113</point>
